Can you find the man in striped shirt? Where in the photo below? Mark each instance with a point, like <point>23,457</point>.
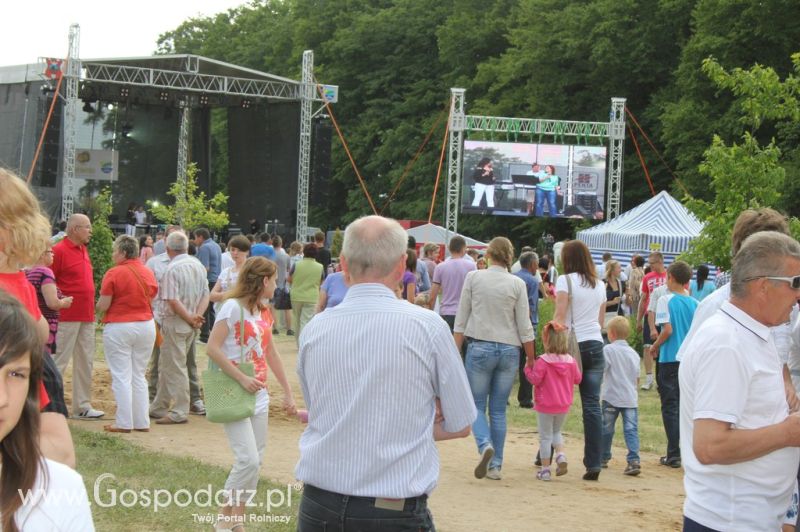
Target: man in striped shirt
<point>382,380</point>
<point>185,299</point>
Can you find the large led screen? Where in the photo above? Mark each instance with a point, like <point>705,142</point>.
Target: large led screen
<point>523,179</point>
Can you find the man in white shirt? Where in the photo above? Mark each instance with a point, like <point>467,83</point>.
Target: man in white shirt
<point>382,380</point>
<point>739,441</point>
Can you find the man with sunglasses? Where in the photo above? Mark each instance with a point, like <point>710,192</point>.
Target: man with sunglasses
<point>738,438</point>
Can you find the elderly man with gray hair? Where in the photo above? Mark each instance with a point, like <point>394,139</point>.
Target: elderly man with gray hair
<point>738,437</point>
<point>382,380</point>
<point>185,296</point>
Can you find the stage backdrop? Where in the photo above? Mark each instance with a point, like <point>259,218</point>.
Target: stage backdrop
<point>263,147</point>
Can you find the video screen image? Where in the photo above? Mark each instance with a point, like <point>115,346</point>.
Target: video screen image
<point>524,179</point>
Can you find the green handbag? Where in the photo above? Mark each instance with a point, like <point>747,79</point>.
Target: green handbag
<point>226,400</point>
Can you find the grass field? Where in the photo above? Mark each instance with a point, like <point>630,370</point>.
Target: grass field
<point>134,497</point>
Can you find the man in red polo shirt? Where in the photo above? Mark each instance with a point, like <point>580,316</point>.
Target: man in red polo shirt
<point>75,338</point>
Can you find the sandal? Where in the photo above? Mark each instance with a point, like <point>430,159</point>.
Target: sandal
<point>544,474</point>
<point>561,464</point>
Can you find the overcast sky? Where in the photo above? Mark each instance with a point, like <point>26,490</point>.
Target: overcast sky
<point>111,28</point>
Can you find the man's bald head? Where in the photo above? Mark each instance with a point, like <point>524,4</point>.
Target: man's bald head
<point>372,247</point>
<point>79,229</point>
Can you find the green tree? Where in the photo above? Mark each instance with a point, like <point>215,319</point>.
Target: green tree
<point>191,208</point>
<point>102,236</point>
<point>746,175</point>
<point>338,240</point>
<point>742,176</point>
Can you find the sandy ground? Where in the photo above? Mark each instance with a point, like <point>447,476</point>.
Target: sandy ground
<point>460,502</point>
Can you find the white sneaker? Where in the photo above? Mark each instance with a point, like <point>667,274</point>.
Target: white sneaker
<point>648,385</point>
<point>198,408</point>
<point>494,474</point>
<point>90,413</point>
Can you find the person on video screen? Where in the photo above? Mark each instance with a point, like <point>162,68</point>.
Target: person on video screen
<point>546,191</point>
<point>483,175</point>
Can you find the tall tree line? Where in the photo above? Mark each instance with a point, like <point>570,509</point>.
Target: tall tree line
<point>395,61</point>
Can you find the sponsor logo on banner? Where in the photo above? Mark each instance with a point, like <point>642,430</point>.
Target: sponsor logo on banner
<point>100,165</point>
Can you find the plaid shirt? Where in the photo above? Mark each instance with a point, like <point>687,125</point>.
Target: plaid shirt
<point>184,281</point>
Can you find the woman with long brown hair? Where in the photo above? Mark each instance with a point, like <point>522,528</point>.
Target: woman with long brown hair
<point>581,306</point>
<point>494,313</point>
<point>244,327</point>
<point>24,470</point>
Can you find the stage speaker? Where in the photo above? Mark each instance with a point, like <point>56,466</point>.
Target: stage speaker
<point>51,147</point>
<point>321,163</point>
<point>586,200</point>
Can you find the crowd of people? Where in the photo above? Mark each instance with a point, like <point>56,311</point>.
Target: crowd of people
<point>402,377</point>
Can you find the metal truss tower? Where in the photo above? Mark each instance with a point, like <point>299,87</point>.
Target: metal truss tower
<point>71,107</point>
<point>616,149</point>
<point>613,130</point>
<point>454,159</point>
<point>183,154</point>
<point>307,91</point>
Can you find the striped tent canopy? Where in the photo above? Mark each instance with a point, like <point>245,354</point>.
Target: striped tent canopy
<point>660,224</point>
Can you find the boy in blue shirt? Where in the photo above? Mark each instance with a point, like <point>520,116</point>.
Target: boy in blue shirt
<point>674,314</point>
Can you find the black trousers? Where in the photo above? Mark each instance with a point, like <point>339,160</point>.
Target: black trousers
<point>525,391</point>
<point>53,383</point>
<point>210,315</point>
<point>327,511</point>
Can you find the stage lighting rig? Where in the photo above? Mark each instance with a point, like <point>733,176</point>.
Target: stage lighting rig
<point>126,130</point>
<point>87,107</point>
<point>163,96</point>
<point>246,104</point>
<point>203,99</point>
<point>124,92</point>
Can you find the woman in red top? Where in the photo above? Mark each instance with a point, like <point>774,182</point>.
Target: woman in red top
<point>125,296</point>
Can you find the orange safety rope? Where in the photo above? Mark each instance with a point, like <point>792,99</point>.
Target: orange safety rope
<point>410,165</point>
<point>44,129</point>
<point>658,154</point>
<point>346,148</point>
<point>641,160</point>
<point>439,171</point>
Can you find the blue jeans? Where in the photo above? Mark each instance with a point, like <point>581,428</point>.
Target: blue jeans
<point>491,368</point>
<point>550,197</point>
<point>593,365</point>
<point>630,429</point>
<point>326,511</point>
<point>670,393</point>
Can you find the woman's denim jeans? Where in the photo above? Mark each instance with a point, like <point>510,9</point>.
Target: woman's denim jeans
<point>593,366</point>
<point>491,368</point>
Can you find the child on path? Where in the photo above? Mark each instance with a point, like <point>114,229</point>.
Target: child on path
<point>674,313</point>
<point>619,395</point>
<point>553,376</point>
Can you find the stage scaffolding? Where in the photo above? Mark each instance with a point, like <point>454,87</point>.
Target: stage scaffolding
<point>612,131</point>
<point>194,80</point>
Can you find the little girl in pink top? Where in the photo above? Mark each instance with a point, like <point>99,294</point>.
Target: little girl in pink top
<point>554,375</point>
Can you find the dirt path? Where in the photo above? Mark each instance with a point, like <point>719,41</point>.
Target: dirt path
<point>518,502</point>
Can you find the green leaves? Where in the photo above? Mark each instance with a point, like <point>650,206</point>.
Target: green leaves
<point>99,246</point>
<point>191,208</point>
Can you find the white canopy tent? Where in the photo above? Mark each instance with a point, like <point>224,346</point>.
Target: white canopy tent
<point>437,234</point>
<point>661,223</point>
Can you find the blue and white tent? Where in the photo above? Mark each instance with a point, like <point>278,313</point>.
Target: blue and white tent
<point>662,223</point>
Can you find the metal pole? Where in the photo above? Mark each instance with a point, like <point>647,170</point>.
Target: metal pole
<point>454,158</point>
<point>72,74</point>
<point>304,162</point>
<point>183,158</point>
<point>616,136</point>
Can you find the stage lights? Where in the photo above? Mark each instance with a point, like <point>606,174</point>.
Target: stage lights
<point>124,92</point>
<point>126,130</point>
<point>87,107</point>
<point>246,104</point>
<point>204,99</point>
<point>163,96</point>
